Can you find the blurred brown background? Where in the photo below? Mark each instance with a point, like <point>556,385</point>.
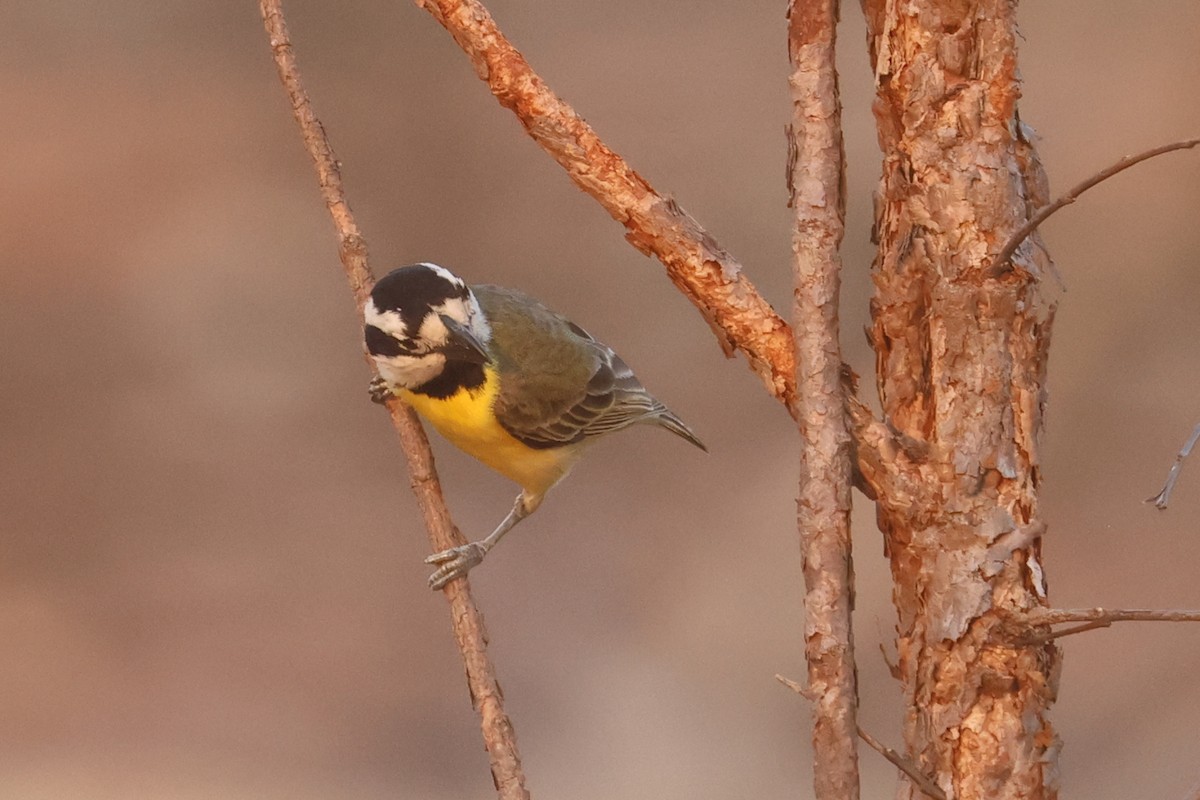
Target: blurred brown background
<point>211,582</point>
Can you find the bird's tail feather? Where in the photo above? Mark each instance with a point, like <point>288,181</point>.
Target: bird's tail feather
<point>675,425</point>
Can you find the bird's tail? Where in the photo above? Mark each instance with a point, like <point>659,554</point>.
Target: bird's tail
<point>675,425</point>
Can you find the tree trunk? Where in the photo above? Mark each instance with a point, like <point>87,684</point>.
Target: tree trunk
<point>961,360</point>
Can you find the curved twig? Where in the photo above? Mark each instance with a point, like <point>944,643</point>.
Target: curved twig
<point>466,620</point>
<point>1001,264</point>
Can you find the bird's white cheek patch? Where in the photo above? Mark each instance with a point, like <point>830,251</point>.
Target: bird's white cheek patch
<point>409,372</point>
<point>389,322</point>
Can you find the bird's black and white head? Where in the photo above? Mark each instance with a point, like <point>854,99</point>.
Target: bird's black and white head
<point>424,329</point>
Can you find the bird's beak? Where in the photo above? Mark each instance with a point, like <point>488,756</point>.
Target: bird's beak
<point>461,344</point>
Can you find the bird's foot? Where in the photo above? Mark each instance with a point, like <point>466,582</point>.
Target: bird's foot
<point>379,390</point>
<point>455,563</point>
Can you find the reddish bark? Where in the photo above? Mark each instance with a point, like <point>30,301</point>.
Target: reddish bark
<point>815,175</point>
<point>961,362</point>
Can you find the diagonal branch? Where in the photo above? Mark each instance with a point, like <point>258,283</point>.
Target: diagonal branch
<point>709,276</point>
<point>1001,265</point>
<point>919,779</point>
<point>816,177</point>
<point>467,622</point>
<point>1161,499</point>
<point>655,224</point>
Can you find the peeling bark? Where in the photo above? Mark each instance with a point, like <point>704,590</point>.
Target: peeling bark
<point>815,176</point>
<point>961,363</point>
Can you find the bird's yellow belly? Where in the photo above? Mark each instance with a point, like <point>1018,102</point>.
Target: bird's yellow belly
<point>467,420</point>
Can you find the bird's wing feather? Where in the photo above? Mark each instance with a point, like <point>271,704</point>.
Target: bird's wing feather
<point>558,385</point>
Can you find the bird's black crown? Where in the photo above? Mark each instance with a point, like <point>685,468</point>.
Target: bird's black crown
<point>413,290</point>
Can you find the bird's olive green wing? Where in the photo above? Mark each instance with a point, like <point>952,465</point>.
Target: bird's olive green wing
<point>557,384</point>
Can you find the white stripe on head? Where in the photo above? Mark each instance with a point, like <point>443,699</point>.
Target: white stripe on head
<point>387,321</point>
<point>442,272</point>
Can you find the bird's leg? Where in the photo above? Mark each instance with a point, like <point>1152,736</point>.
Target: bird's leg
<point>379,390</point>
<point>457,561</point>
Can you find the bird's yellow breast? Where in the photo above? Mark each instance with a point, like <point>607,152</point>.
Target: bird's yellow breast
<point>468,420</point>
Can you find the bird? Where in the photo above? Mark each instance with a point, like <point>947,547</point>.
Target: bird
<point>517,386</point>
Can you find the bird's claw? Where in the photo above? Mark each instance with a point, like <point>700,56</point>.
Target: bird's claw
<point>455,563</point>
<point>379,390</point>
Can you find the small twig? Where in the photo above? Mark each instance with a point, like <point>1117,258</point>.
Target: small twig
<point>1096,618</point>
<point>1001,264</point>
<point>893,667</point>
<point>1161,499</point>
<point>920,779</point>
<point>706,274</point>
<point>466,620</point>
<point>1034,640</point>
<point>795,686</point>
<point>1058,616</point>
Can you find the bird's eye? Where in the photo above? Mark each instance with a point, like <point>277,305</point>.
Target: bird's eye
<point>381,344</point>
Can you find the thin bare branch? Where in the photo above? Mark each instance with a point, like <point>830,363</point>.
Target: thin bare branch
<point>796,687</point>
<point>1093,619</point>
<point>466,620</point>
<point>892,667</point>
<point>815,177</point>
<point>919,779</point>
<point>1041,638</point>
<point>1161,499</point>
<point>1001,264</point>
<point>709,276</point>
<point>1058,616</point>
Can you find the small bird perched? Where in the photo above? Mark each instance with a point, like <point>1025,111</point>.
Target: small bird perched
<point>504,378</point>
